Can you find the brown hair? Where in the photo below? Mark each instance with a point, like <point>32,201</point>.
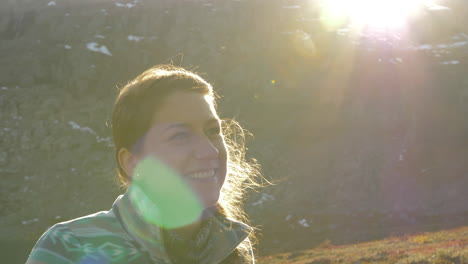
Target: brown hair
<point>131,119</point>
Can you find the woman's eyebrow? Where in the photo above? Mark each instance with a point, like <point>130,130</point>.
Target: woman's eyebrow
<point>211,121</point>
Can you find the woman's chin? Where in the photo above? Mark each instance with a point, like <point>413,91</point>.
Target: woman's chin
<point>209,200</point>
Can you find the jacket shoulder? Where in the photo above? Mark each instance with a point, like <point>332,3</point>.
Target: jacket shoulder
<point>93,226</point>
<point>96,237</point>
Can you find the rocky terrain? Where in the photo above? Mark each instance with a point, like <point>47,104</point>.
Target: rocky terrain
<point>364,134</point>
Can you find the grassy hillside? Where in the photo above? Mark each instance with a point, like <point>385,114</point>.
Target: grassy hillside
<point>363,133</point>
<point>443,247</point>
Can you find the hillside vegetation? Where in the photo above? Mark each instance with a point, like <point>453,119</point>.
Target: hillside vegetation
<point>443,247</point>
<point>362,133</point>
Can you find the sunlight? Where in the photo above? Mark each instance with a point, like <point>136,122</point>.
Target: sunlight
<point>376,14</point>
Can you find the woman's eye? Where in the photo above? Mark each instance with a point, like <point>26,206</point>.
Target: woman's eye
<point>180,136</point>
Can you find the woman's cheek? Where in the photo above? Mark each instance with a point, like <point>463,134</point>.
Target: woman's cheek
<point>175,157</point>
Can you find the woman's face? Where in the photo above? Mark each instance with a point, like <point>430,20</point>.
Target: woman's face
<point>186,136</point>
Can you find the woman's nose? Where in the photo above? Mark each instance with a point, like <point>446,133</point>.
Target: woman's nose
<point>205,149</point>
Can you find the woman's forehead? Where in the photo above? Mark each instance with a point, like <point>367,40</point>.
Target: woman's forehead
<point>185,108</point>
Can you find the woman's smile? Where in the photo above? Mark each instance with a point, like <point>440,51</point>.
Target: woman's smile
<point>202,174</point>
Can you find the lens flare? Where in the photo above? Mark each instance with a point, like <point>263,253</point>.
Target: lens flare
<point>162,197</point>
<point>378,14</point>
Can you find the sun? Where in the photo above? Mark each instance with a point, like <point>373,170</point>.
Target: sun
<point>377,14</point>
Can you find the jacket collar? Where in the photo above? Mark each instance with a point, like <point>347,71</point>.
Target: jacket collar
<point>224,235</point>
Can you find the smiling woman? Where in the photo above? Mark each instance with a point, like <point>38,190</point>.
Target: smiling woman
<point>185,181</point>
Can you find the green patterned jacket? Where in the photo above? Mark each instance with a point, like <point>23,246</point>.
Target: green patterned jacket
<point>120,236</point>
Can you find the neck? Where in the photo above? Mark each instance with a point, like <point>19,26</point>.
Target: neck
<point>188,231</point>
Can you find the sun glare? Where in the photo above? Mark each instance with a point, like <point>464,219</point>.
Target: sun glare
<point>377,14</point>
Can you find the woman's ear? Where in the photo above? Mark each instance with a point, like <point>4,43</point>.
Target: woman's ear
<point>127,161</point>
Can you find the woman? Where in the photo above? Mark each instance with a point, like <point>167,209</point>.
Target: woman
<point>185,182</point>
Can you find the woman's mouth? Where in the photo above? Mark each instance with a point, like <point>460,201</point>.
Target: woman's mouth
<point>206,185</point>
<point>202,174</point>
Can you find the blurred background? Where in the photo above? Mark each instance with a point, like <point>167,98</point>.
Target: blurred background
<point>358,110</point>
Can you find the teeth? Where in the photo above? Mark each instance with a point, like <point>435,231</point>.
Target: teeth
<point>202,174</point>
